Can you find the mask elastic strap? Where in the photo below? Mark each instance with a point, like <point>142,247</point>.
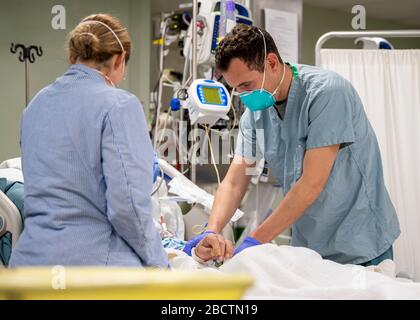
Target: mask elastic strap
<point>265,66</point>
<point>106,77</point>
<point>282,78</point>
<point>106,26</point>
<point>265,58</point>
<point>110,29</point>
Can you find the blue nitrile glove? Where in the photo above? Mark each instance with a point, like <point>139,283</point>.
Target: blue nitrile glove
<point>194,241</point>
<point>247,243</point>
<point>155,167</point>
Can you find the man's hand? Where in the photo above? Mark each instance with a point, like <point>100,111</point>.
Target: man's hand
<point>214,247</point>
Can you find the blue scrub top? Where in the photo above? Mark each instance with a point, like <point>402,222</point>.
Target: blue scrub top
<point>88,164</point>
<point>353,220</point>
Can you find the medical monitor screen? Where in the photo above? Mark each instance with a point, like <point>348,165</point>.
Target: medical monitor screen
<point>211,95</point>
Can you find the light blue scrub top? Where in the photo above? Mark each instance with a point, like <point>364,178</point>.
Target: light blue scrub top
<point>353,220</point>
<point>87,163</point>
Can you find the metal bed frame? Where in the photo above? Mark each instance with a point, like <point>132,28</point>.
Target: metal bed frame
<point>353,34</point>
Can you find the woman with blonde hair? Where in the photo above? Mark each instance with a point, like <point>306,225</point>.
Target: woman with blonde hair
<point>87,161</point>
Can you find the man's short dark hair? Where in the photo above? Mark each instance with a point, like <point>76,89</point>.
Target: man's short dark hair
<point>246,43</point>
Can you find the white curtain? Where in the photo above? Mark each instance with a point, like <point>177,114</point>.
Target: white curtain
<point>388,82</point>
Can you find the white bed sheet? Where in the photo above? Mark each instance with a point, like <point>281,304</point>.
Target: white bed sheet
<point>285,272</point>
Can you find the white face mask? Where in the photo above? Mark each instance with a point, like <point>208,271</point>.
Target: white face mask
<point>116,37</point>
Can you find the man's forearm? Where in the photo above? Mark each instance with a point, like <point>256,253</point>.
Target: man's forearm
<point>226,202</point>
<point>299,198</point>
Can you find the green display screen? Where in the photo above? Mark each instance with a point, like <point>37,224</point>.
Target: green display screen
<point>211,95</point>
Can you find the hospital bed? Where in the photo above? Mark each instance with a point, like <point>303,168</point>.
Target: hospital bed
<point>269,271</point>
<point>11,223</point>
<point>10,218</point>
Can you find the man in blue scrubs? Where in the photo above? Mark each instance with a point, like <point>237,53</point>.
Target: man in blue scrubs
<point>310,126</point>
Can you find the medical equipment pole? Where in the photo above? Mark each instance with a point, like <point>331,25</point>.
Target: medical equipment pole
<point>194,34</point>
<point>194,77</point>
<point>26,54</point>
<point>185,81</point>
<point>161,65</point>
<point>26,83</point>
<point>354,34</point>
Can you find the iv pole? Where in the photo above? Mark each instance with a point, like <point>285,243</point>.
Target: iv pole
<point>194,77</point>
<point>26,54</point>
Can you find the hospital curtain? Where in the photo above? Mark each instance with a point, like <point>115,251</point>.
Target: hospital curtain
<point>388,82</point>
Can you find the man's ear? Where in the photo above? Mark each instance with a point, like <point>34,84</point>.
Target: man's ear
<point>273,60</point>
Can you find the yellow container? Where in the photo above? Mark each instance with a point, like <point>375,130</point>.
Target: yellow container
<point>92,283</point>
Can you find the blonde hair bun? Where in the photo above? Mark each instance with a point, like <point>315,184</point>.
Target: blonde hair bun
<point>97,38</point>
<point>87,45</point>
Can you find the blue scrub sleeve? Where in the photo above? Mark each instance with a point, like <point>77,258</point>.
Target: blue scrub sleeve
<point>331,118</point>
<point>127,161</point>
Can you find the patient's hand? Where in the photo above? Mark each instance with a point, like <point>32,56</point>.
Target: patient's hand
<point>214,247</point>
